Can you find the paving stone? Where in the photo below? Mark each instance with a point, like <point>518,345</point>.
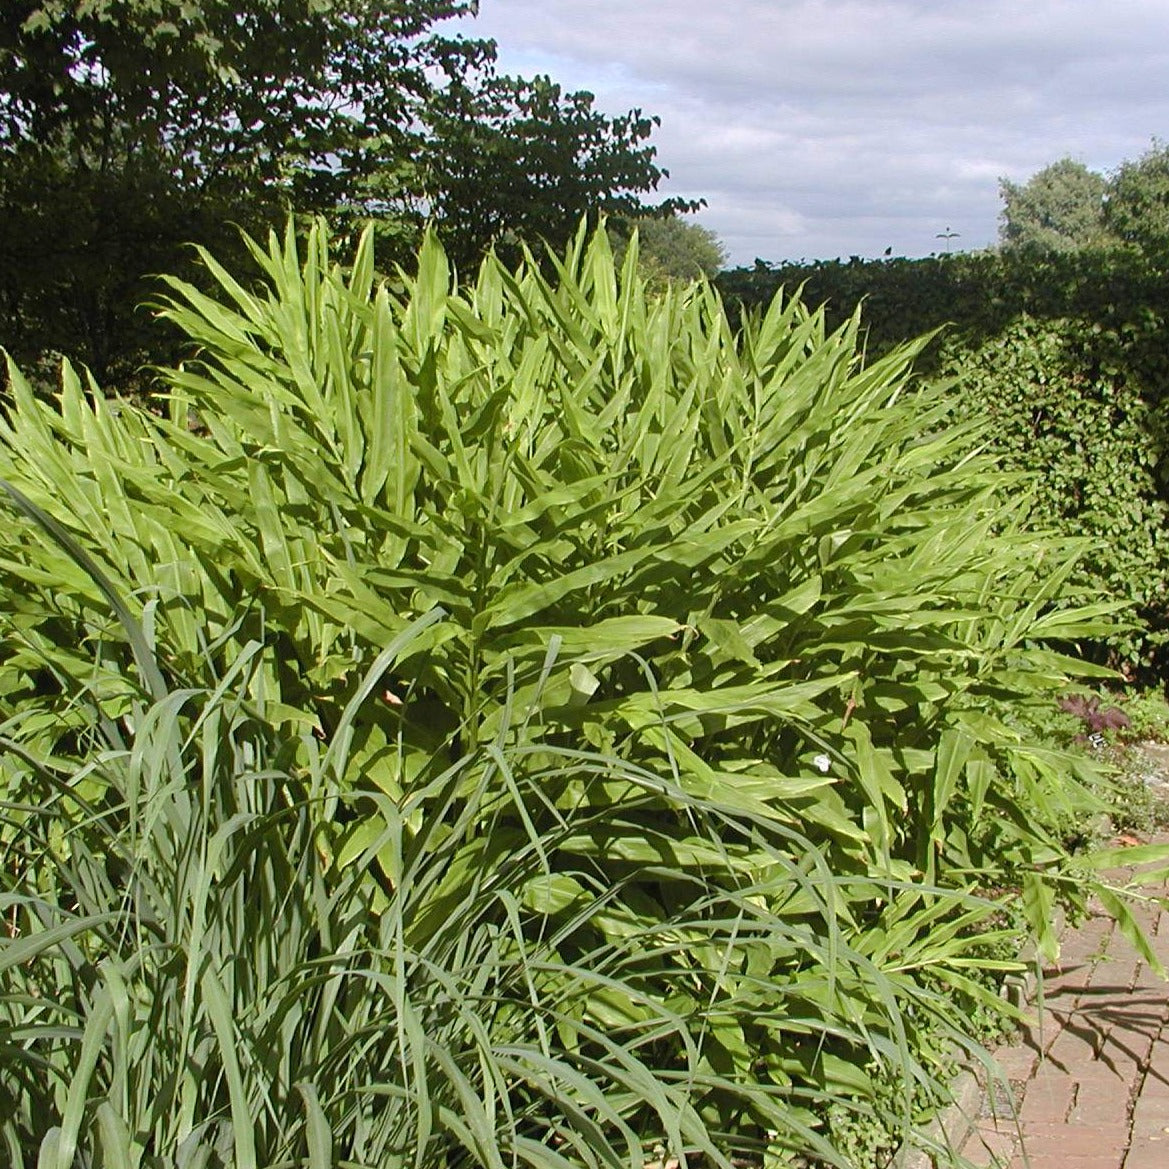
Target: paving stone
<point>1017,1062</point>
<point>1102,1103</point>
<point>1065,1160</point>
<point>1081,1139</point>
<point>1149,980</point>
<point>1048,1100</point>
<point>1146,1156</point>
<point>1122,954</point>
<point>1151,1118</point>
<point>1151,1097</point>
<point>1067,983</point>
<point>1082,952</point>
<point>1001,1102</point>
<point>1039,1034</point>
<point>1155,1087</point>
<point>1088,938</point>
<point>1111,981</point>
<point>1108,1077</point>
<point>1074,1047</point>
<point>1147,999</point>
<point>1157,1077</point>
<point>1099,1097</point>
<point>1127,1050</point>
<point>987,1147</point>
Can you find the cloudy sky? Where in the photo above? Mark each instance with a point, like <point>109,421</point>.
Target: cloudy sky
<point>822,128</point>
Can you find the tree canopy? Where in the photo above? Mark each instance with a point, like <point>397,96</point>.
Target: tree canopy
<point>1060,208</point>
<point>290,95</point>
<point>1066,207</point>
<point>521,160</point>
<point>1136,209</point>
<point>129,128</point>
<point>671,248</point>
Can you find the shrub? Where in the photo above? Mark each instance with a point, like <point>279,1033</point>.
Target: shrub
<point>1066,407</point>
<point>646,678</point>
<point>191,977</point>
<point>974,296</point>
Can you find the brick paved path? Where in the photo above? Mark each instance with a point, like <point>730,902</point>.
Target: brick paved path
<point>1089,1084</point>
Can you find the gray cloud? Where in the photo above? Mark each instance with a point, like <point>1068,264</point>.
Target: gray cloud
<point>822,128</point>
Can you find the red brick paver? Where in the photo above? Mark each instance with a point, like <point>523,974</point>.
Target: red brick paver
<point>1087,1085</point>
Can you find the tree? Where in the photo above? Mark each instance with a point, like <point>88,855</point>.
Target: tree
<point>1060,209</point>
<point>520,160</point>
<point>1136,206</point>
<point>672,248</point>
<point>130,127</point>
<point>293,95</point>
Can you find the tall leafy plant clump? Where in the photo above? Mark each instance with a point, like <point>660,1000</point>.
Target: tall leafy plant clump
<point>188,980</point>
<point>732,614</point>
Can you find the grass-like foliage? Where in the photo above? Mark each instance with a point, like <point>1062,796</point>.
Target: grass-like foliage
<point>192,982</point>
<point>532,724</point>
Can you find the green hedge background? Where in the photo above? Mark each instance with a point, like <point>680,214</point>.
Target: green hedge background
<point>1067,354</point>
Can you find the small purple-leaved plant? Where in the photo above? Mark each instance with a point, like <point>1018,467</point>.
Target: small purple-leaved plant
<point>1096,721</point>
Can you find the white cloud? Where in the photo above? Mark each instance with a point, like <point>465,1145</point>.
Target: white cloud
<point>840,127</point>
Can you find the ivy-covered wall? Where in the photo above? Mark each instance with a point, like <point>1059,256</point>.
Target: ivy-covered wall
<point>1068,356</point>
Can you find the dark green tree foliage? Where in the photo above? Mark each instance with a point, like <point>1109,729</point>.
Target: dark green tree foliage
<point>294,96</point>
<point>972,295</point>
<point>1136,209</point>
<point>129,128</point>
<point>1060,208</point>
<point>1066,207</point>
<point>520,160</point>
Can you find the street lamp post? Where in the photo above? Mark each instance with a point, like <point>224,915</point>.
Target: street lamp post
<point>948,235</point>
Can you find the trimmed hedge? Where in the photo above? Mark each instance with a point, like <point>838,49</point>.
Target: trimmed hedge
<point>973,296</point>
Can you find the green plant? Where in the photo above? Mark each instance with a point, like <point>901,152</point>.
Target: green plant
<point>1061,358</point>
<point>1138,802</point>
<point>1108,730</point>
<point>187,974</point>
<point>1136,206</point>
<point>1060,208</point>
<point>670,248</point>
<point>1148,715</point>
<point>730,620</point>
<point>1065,405</point>
<point>188,980</point>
